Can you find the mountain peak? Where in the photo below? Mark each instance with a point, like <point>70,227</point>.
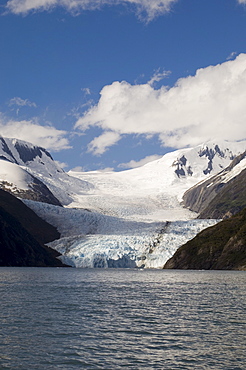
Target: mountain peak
<point>205,159</point>
<point>20,152</point>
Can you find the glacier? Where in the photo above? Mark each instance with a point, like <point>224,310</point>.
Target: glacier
<point>132,218</point>
<point>91,239</point>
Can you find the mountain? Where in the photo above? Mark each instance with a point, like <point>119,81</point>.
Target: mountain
<point>223,194</point>
<point>30,172</point>
<point>135,217</point>
<point>224,245</point>
<point>23,234</point>
<point>117,219</point>
<point>157,186</point>
<point>220,247</point>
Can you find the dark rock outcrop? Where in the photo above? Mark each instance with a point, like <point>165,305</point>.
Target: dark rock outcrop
<point>23,234</point>
<point>220,247</point>
<point>28,153</point>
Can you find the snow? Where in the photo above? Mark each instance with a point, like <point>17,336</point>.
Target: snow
<point>152,192</point>
<point>45,169</point>
<point>235,171</point>
<point>13,176</point>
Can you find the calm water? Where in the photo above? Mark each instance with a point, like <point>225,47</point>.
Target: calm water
<point>54,318</point>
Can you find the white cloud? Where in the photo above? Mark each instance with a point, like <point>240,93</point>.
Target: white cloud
<point>86,91</point>
<point>158,76</point>
<point>61,164</point>
<point>30,131</point>
<point>100,144</point>
<point>198,108</point>
<point>77,169</point>
<point>146,9</point>
<point>21,102</point>
<point>142,162</point>
<point>106,169</point>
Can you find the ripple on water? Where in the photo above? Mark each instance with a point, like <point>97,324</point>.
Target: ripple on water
<point>112,319</point>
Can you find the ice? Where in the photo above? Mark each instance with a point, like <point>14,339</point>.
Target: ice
<point>91,239</point>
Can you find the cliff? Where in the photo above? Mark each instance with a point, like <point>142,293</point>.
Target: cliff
<point>23,234</point>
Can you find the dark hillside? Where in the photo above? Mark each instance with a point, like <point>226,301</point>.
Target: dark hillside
<point>215,198</point>
<point>230,200</point>
<point>23,234</point>
<point>220,247</point>
<point>40,229</point>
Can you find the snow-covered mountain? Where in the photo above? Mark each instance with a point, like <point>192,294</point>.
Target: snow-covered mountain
<point>135,217</point>
<point>155,190</point>
<point>24,167</point>
<point>119,219</point>
<point>30,172</point>
<point>221,195</point>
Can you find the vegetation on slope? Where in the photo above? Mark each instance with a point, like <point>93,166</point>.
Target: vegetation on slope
<point>220,247</point>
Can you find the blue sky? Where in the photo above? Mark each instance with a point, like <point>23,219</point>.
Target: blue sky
<point>114,84</point>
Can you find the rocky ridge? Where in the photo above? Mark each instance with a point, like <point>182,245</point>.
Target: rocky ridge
<point>222,195</point>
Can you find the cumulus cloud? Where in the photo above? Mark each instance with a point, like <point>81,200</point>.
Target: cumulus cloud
<point>146,9</point>
<point>208,105</point>
<point>30,131</point>
<point>142,162</point>
<point>100,144</point>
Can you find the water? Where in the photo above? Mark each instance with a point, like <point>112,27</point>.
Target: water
<point>54,318</point>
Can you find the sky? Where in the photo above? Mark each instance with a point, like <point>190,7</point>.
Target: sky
<point>113,84</point>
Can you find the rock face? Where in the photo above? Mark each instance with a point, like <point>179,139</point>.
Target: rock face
<point>220,247</point>
<point>23,234</point>
<point>20,152</point>
<point>221,195</point>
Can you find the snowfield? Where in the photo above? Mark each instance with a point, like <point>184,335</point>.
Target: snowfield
<point>14,177</point>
